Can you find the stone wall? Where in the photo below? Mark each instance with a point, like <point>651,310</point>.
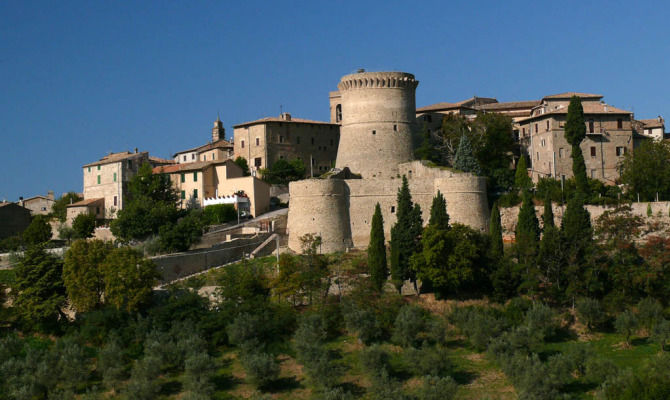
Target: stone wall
<point>660,214</point>
<point>175,266</point>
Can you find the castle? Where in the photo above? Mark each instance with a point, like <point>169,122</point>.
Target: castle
<point>377,112</point>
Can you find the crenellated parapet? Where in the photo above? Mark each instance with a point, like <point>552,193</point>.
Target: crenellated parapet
<point>376,80</point>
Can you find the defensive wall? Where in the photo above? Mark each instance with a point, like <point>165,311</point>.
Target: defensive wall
<point>174,266</point>
<point>657,223</point>
<point>340,210</point>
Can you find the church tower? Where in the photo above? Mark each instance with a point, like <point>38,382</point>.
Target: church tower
<point>218,132</point>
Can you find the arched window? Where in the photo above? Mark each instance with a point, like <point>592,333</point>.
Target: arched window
<point>338,113</point>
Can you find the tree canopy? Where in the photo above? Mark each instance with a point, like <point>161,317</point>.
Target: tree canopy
<point>38,232</point>
<point>82,273</point>
<point>242,163</point>
<point>404,235</point>
<point>647,171</point>
<point>575,132</point>
<point>281,172</point>
<point>59,208</point>
<point>377,250</point>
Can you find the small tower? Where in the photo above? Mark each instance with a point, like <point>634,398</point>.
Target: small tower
<point>218,132</point>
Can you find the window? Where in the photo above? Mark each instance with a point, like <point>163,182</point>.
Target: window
<point>523,131</point>
<point>281,139</point>
<point>593,174</point>
<point>374,132</point>
<point>619,123</point>
<point>538,155</point>
<point>620,151</point>
<point>547,124</point>
<point>297,139</point>
<point>115,201</point>
<point>593,151</point>
<point>392,209</point>
<point>204,157</point>
<point>395,128</point>
<point>258,142</point>
<point>560,152</point>
<point>543,142</point>
<point>258,161</point>
<point>89,169</point>
<point>130,164</point>
<point>536,129</point>
<point>195,176</point>
<point>281,157</point>
<point>429,118</point>
<point>213,156</point>
<point>195,193</point>
<point>98,179</point>
<point>183,177</point>
<point>242,143</point>
<point>98,168</point>
<point>313,161</point>
<point>97,210</point>
<point>193,156</point>
<point>114,176</point>
<point>185,156</point>
<point>338,113</point>
<point>591,126</point>
<point>183,195</point>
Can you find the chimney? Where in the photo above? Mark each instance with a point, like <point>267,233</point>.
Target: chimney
<point>135,150</point>
<point>21,202</point>
<point>285,116</point>
<point>50,195</point>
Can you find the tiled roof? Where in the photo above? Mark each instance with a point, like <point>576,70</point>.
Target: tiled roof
<point>219,144</point>
<point>589,108</point>
<point>194,166</point>
<point>568,95</point>
<point>116,157</point>
<point>86,202</point>
<point>509,105</point>
<point>653,123</point>
<point>279,119</point>
<point>158,160</point>
<point>440,106</point>
<point>467,103</point>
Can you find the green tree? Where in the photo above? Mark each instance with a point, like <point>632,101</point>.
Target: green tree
<point>82,274</point>
<point>38,232</point>
<point>428,150</point>
<point>38,290</point>
<point>111,365</point>
<point>551,264</point>
<point>522,181</point>
<point>438,212</point>
<point>577,239</point>
<point>495,232</point>
<point>464,160</point>
<point>199,371</point>
<point>242,163</point>
<point>151,203</point>
<point>84,225</point>
<point>646,171</point>
<point>661,333</point>
<point>377,251</point>
<point>625,325</point>
<point>548,215</point>
<point>496,143</point>
<point>527,232</point>
<point>575,132</point>
<point>182,235</point>
<point>129,278</point>
<point>281,172</point>
<point>404,236</point>
<point>452,129</point>
<point>59,208</point>
<point>590,312</point>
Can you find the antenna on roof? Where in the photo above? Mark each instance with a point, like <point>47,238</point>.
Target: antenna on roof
<point>281,109</point>
<point>218,118</point>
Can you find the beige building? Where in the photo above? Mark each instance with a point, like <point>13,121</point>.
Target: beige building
<point>264,141</point>
<point>609,136</point>
<point>90,206</point>
<point>217,149</point>
<point>653,128</point>
<point>39,204</point>
<point>204,180</point>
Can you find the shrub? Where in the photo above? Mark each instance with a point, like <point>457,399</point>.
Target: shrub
<point>625,324</point>
<point>336,394</point>
<point>111,365</point>
<point>650,312</point>
<point>590,312</point>
<point>374,361</point>
<point>478,324</point>
<point>541,318</point>
<point>83,225</point>
<point>143,384</point>
<point>362,322</point>
<point>409,324</point>
<point>428,360</point>
<point>436,388</point>
<point>598,370</point>
<point>219,214</point>
<point>661,333</point>
<point>262,368</point>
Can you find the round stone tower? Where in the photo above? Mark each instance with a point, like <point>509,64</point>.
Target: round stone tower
<point>378,117</point>
<point>319,207</point>
<point>466,199</point>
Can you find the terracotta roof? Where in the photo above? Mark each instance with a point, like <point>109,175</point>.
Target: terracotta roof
<point>568,95</point>
<point>510,105</point>
<point>653,123</point>
<point>219,144</point>
<point>116,157</point>
<point>589,108</point>
<point>195,149</point>
<point>86,202</point>
<point>194,166</point>
<point>160,160</point>
<point>440,106</point>
<point>279,119</point>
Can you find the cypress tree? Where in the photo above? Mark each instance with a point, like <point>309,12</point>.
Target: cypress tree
<point>527,232</point>
<point>404,235</point>
<point>377,251</point>
<point>575,132</point>
<point>465,159</point>
<point>521,179</point>
<point>548,216</point>
<point>438,212</point>
<point>576,239</point>
<point>495,232</point>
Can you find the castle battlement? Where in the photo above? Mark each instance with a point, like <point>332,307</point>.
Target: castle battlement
<point>376,80</point>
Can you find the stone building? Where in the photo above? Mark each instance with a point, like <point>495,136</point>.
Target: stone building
<point>653,128</point>
<point>262,142</point>
<point>217,149</point>
<point>15,219</point>
<point>39,204</point>
<point>377,113</point>
<point>199,182</point>
<point>609,136</point>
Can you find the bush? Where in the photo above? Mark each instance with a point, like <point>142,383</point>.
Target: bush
<point>182,235</point>
<point>650,312</point>
<point>409,324</point>
<point>362,321</point>
<point>83,225</point>
<point>262,368</point>
<point>219,214</point>
<point>374,361</point>
<point>625,325</point>
<point>436,388</point>
<point>590,312</point>
<point>111,365</point>
<point>478,324</point>
<point>542,319</point>
<point>143,383</point>
<point>661,333</point>
<point>428,360</point>
<point>598,370</point>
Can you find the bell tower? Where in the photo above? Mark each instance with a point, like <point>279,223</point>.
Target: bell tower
<point>218,132</point>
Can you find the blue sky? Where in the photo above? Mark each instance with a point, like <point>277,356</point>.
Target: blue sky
<point>81,79</point>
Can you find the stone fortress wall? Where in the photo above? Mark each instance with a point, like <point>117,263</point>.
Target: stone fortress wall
<point>378,120</point>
